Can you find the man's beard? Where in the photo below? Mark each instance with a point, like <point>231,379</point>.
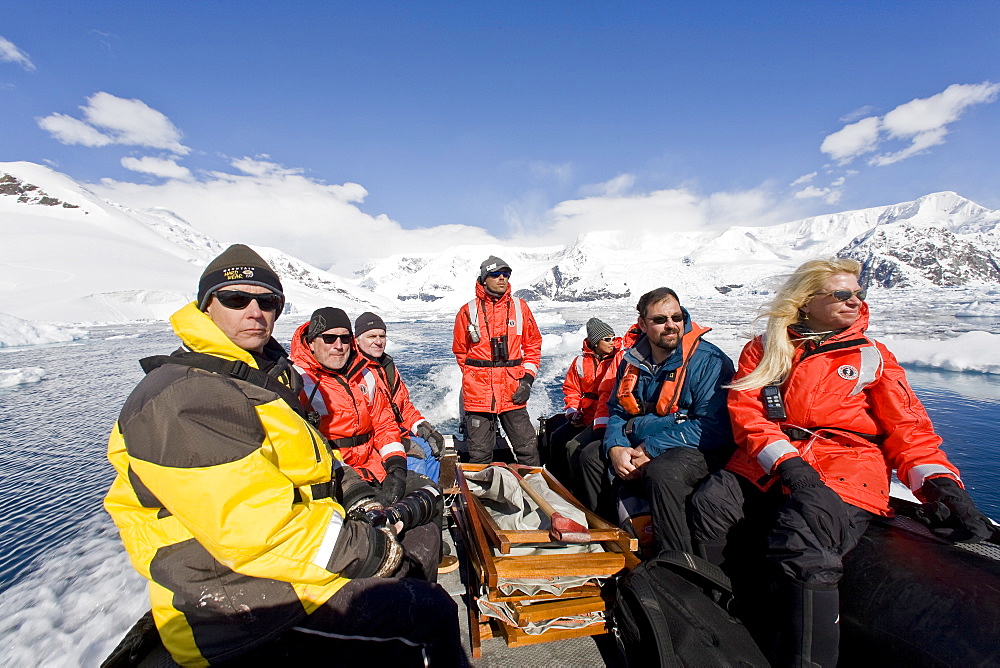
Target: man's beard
<point>664,345</point>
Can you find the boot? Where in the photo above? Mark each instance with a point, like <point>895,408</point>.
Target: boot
<point>813,632</point>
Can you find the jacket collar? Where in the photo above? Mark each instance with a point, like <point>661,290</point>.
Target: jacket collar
<point>303,358</point>
<point>859,328</point>
<point>199,334</point>
<point>640,354</point>
<point>484,294</point>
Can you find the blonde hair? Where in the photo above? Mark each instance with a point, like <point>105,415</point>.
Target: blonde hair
<point>783,311</point>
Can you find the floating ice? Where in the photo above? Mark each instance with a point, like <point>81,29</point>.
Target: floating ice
<point>972,351</point>
<point>12,377</point>
<point>18,332</point>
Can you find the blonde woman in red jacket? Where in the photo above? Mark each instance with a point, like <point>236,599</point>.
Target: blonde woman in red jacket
<point>821,414</point>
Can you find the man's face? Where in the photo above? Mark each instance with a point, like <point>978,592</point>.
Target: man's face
<point>496,281</point>
<point>605,346</point>
<point>825,313</point>
<point>332,355</point>
<point>372,342</point>
<point>663,324</point>
<point>250,327</point>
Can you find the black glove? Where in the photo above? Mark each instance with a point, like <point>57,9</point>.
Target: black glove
<point>576,418</point>
<point>393,487</point>
<point>952,513</point>
<point>822,509</point>
<point>523,390</point>
<point>426,431</point>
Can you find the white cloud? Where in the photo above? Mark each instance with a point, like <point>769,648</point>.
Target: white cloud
<point>116,120</point>
<point>923,122</point>
<point>560,173</point>
<point>860,112</point>
<point>805,178</point>
<point>162,167</point>
<point>270,205</point>
<point>661,212</point>
<point>9,53</point>
<point>616,187</point>
<point>852,140</point>
<point>69,130</point>
<point>830,195</point>
<point>811,191</point>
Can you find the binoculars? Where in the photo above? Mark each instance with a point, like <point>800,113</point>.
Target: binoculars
<point>498,348</point>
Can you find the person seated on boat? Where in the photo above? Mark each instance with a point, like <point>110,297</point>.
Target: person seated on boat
<point>667,427</point>
<point>424,444</point>
<point>232,505</point>
<point>594,436</point>
<point>821,413</point>
<point>498,347</point>
<point>420,438</point>
<point>580,395</point>
<point>342,397</point>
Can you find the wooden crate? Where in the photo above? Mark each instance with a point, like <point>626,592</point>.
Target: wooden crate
<point>483,569</point>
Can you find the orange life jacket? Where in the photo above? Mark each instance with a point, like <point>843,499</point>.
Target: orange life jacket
<point>670,390</point>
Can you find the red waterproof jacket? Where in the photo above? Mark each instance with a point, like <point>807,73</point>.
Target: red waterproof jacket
<point>391,384</point>
<point>354,416</point>
<point>858,418</point>
<point>581,389</point>
<point>488,385</point>
<point>607,384</point>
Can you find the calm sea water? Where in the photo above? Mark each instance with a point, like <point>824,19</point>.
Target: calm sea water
<point>67,592</point>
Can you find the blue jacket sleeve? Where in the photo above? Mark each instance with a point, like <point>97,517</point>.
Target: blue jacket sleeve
<point>703,419</point>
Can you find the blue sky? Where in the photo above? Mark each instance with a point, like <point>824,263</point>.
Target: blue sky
<point>514,121</point>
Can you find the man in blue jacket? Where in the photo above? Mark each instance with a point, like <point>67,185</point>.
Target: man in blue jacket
<point>668,426</point>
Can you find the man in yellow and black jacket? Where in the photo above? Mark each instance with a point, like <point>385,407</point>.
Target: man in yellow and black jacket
<point>234,507</point>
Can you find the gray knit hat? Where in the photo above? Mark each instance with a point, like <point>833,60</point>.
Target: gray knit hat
<point>366,321</point>
<point>237,265</point>
<point>492,263</point>
<point>597,329</point>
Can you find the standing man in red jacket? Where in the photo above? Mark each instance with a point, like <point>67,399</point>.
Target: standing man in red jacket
<point>498,346</point>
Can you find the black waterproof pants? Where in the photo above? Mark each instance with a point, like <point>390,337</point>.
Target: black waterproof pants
<point>560,433</point>
<point>596,489</point>
<point>480,428</point>
<point>667,482</point>
<point>389,621</point>
<point>422,544</point>
<point>772,555</point>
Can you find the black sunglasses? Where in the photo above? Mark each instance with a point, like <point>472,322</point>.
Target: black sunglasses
<point>330,338</point>
<point>844,295</point>
<point>660,319</point>
<point>239,300</point>
<point>498,274</point>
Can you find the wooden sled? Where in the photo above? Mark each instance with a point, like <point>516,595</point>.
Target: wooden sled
<point>486,562</point>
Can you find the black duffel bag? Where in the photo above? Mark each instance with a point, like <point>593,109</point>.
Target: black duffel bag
<point>669,611</point>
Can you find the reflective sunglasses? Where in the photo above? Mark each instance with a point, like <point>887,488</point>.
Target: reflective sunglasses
<point>330,338</point>
<point>498,274</point>
<point>239,300</point>
<point>660,319</point>
<point>608,339</point>
<point>844,295</point>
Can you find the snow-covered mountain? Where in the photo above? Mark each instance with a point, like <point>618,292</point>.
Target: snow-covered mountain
<point>940,239</point>
<point>70,256</point>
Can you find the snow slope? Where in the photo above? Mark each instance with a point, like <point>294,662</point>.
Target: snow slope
<point>70,256</point>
